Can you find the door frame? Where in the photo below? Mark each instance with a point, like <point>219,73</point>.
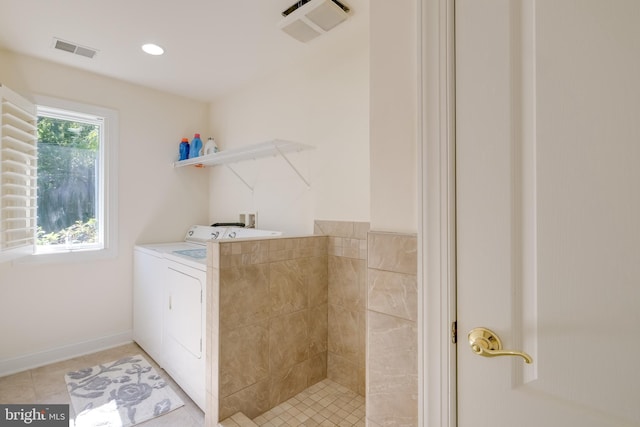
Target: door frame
<point>436,221</point>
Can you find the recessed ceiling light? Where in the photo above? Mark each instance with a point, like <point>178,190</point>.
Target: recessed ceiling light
<point>152,49</point>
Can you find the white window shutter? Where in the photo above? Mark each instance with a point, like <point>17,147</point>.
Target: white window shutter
<point>18,173</point>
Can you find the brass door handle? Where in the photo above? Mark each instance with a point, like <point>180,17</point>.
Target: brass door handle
<point>485,342</point>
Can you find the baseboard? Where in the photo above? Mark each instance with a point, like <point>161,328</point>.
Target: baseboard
<point>35,360</point>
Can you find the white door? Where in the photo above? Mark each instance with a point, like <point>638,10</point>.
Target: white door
<point>548,211</point>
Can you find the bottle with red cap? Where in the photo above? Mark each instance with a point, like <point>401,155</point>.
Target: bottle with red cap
<point>196,146</point>
<point>184,149</point>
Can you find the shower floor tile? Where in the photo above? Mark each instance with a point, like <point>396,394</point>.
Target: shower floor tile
<point>323,404</point>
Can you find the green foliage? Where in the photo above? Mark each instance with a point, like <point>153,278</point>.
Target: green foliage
<point>67,133</point>
<point>80,232</point>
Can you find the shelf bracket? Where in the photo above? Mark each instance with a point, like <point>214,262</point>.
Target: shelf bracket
<point>239,177</point>
<point>293,167</point>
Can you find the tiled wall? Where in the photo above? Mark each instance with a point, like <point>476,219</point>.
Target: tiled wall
<point>270,341</point>
<point>347,267</point>
<point>392,362</point>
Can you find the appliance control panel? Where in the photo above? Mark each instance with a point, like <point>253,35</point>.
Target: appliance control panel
<point>203,233</point>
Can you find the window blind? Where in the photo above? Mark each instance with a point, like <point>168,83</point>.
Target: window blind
<point>18,173</point>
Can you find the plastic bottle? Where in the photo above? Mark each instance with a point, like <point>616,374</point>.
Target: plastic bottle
<point>196,146</point>
<point>210,147</point>
<point>184,149</point>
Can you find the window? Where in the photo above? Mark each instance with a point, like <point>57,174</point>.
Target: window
<point>76,145</point>
<point>57,179</point>
<point>69,180</point>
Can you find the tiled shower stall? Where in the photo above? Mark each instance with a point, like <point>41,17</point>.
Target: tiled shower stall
<point>287,313</point>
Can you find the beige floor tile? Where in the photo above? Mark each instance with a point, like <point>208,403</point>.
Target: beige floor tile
<point>17,388</point>
<point>48,383</point>
<point>114,354</point>
<point>323,404</point>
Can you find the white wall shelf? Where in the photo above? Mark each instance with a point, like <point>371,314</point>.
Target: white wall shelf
<point>276,147</point>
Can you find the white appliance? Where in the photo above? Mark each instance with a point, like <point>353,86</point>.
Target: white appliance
<point>169,303</point>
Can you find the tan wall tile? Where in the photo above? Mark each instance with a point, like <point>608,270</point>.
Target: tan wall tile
<point>317,272</point>
<point>225,248</point>
<point>393,293</point>
<point>360,230</point>
<point>252,401</point>
<point>349,229</point>
<point>288,288</point>
<point>343,333</point>
<point>335,228</point>
<point>245,359</point>
<point>347,280</point>
<point>213,254</point>
<point>351,248</point>
<point>288,341</point>
<point>364,249</point>
<point>236,248</point>
<point>318,327</point>
<point>362,338</point>
<point>393,252</point>
<point>392,370</point>
<point>244,295</point>
<point>212,330</point>
<point>292,382</point>
<point>342,371</point>
<point>347,247</point>
<point>317,368</point>
<point>211,413</point>
<point>362,380</point>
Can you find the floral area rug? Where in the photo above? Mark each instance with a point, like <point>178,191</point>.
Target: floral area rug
<point>119,394</point>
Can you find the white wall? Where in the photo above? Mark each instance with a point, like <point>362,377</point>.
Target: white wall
<point>44,307</point>
<point>394,100</point>
<point>324,103</point>
<point>361,101</point>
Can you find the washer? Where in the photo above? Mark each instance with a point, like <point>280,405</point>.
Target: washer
<point>192,251</point>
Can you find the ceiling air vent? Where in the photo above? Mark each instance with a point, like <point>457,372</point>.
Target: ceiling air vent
<point>307,19</point>
<point>87,52</point>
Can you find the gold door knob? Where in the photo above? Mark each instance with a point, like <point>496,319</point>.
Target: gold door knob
<point>485,342</point>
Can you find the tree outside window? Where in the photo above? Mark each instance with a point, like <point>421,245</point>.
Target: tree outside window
<point>68,179</point>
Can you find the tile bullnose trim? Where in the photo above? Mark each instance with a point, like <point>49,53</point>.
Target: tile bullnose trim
<point>346,229</point>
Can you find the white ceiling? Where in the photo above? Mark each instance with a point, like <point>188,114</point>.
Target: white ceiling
<point>211,46</point>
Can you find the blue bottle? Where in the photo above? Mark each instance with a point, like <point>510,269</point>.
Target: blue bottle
<point>184,149</point>
<point>196,146</point>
